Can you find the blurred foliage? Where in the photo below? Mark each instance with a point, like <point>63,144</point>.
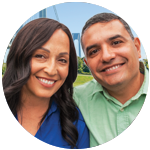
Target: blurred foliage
<point>3,68</point>
<point>147,62</point>
<point>82,67</point>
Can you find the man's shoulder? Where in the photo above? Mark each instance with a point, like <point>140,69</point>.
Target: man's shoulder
<point>82,92</point>
<point>85,88</point>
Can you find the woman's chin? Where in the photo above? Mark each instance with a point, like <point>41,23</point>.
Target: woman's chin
<point>44,95</point>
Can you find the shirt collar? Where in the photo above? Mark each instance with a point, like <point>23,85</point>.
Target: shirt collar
<point>143,89</point>
<point>97,87</point>
<point>52,109</point>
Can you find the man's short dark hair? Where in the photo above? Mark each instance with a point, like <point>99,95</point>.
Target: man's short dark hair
<point>103,18</point>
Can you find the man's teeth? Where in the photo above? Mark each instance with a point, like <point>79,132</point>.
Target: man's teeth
<point>112,68</point>
<point>46,81</point>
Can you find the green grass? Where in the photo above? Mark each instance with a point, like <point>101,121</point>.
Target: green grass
<point>81,79</point>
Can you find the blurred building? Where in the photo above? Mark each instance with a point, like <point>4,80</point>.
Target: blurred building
<point>76,36</point>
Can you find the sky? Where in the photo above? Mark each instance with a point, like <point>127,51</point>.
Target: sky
<point>74,15</point>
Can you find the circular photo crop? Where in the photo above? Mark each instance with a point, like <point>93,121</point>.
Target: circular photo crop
<point>74,77</point>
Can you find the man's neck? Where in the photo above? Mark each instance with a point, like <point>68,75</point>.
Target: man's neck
<point>123,94</point>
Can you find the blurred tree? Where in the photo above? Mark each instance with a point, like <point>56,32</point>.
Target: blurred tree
<point>85,68</point>
<point>3,68</point>
<point>80,65</point>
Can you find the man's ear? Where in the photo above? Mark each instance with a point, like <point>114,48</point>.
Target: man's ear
<point>137,44</point>
<point>85,61</point>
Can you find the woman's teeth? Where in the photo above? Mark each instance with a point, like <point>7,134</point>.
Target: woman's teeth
<point>46,81</point>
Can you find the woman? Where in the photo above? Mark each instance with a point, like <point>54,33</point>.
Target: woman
<point>41,69</point>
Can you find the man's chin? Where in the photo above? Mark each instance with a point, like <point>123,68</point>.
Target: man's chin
<point>113,80</point>
<point>113,84</point>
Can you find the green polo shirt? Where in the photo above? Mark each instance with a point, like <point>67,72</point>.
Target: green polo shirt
<point>104,115</point>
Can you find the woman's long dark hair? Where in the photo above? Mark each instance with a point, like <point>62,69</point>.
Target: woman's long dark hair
<point>31,37</point>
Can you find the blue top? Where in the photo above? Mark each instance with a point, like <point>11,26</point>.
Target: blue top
<point>50,130</point>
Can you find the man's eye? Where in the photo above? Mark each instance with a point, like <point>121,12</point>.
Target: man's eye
<point>39,56</point>
<point>93,52</point>
<point>116,42</point>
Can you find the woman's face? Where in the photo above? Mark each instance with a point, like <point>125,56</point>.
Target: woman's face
<point>49,67</point>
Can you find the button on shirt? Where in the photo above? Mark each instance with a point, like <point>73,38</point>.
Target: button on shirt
<point>50,130</point>
<point>104,115</point>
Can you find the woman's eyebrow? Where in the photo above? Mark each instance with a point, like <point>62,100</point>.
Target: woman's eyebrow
<point>45,49</point>
<point>63,53</point>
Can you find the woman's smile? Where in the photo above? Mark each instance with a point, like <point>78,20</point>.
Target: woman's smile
<point>46,82</point>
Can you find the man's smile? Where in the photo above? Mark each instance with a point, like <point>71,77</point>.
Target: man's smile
<point>112,67</point>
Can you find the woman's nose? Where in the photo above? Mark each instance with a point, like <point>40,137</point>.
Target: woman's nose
<point>51,68</point>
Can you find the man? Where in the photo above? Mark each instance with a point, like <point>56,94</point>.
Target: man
<point>111,101</point>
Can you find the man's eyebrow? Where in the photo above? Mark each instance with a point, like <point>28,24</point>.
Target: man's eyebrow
<point>45,49</point>
<point>115,37</point>
<point>90,47</point>
<point>63,53</point>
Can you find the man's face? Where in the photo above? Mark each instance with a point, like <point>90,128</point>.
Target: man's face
<point>111,54</point>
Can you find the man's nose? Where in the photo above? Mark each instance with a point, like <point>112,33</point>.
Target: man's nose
<point>51,68</point>
<point>107,54</point>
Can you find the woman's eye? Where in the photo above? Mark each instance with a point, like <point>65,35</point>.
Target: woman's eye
<point>39,56</point>
<point>63,60</point>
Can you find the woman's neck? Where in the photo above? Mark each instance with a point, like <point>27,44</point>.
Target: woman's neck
<point>31,112</point>
<point>32,102</point>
